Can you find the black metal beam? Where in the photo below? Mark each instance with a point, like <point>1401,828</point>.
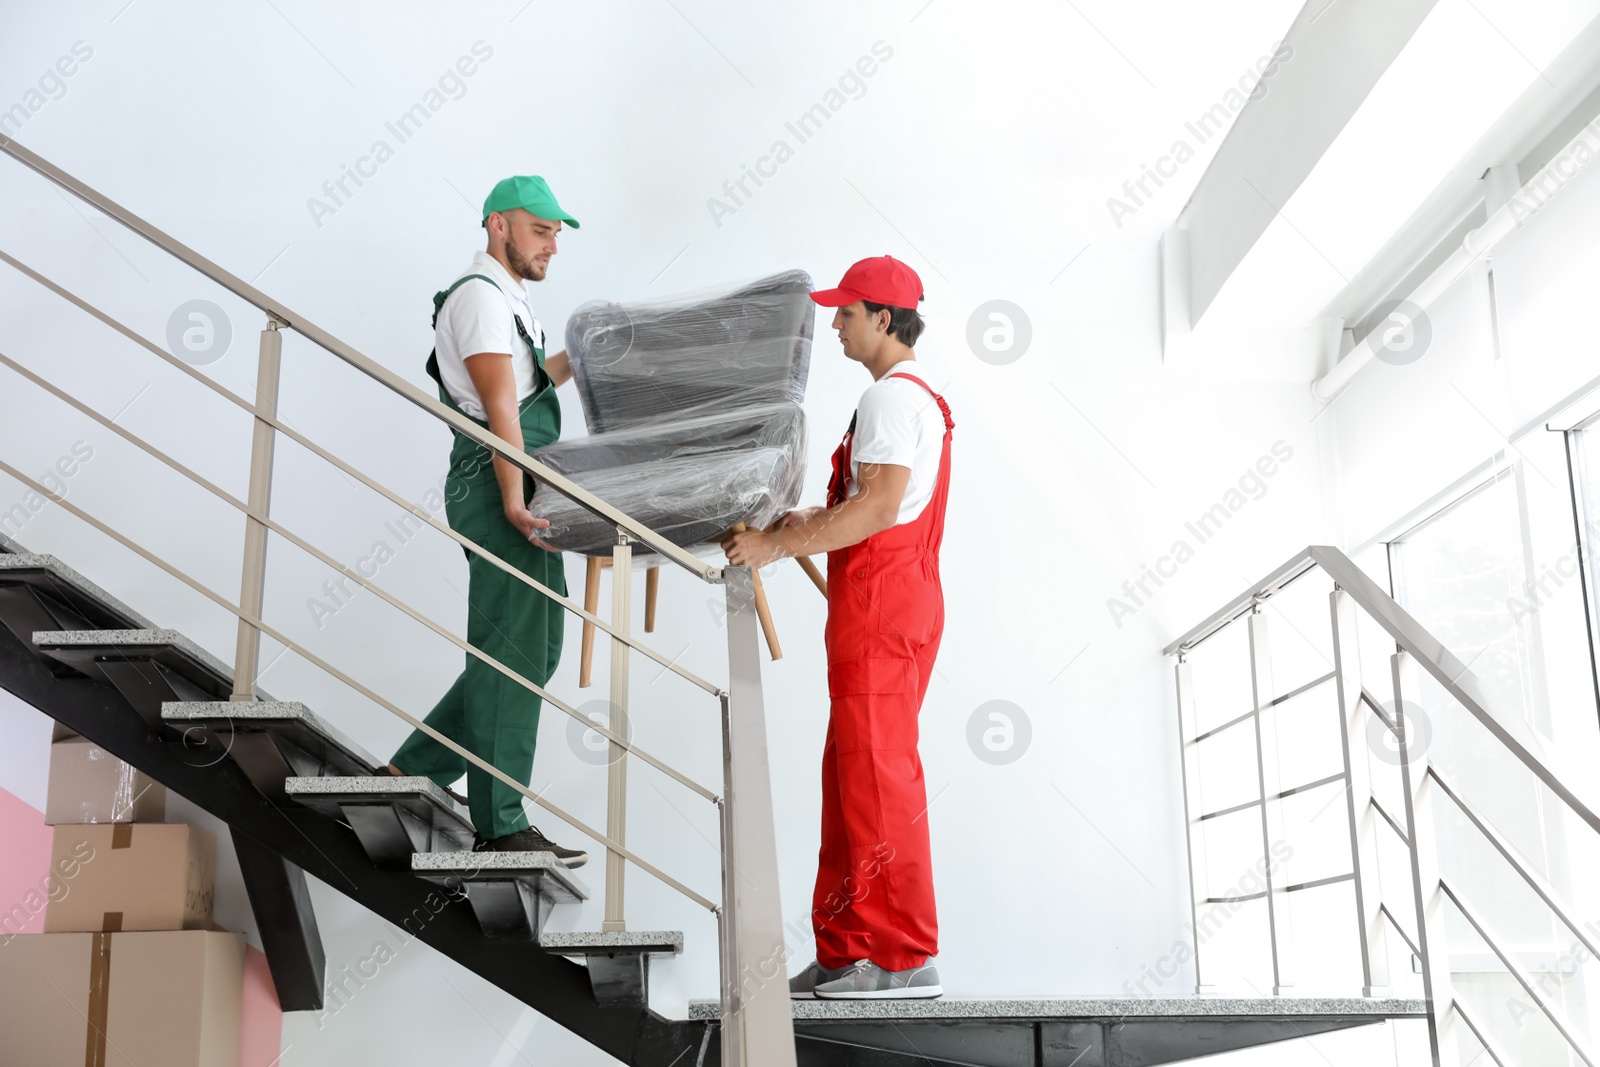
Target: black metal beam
<point>286,921</point>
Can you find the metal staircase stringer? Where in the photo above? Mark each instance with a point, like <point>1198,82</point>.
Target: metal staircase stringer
<point>328,850</point>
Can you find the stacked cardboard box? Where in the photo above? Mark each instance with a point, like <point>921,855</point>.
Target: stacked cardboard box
<point>128,970</point>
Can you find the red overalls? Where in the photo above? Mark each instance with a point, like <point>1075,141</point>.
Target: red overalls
<point>874,892</point>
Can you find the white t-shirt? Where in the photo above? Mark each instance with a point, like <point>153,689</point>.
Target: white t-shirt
<point>898,422</point>
<point>478,318</point>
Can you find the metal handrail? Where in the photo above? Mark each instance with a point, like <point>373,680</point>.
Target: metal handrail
<point>365,364</point>
<point>757,1025</point>
<point>1353,590</point>
<point>273,420</point>
<point>1517,736</point>
<point>317,661</point>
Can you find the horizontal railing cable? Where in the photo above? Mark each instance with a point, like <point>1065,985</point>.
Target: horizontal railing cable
<point>1521,975</point>
<point>1394,924</point>
<point>1494,1053</point>
<point>1534,880</point>
<point>366,583</point>
<point>394,709</point>
<point>1394,825</point>
<point>300,439</point>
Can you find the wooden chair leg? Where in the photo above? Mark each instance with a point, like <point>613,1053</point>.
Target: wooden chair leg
<point>591,604</point>
<point>764,613</point>
<point>652,582</point>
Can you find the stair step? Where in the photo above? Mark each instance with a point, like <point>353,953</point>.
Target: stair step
<point>149,666</point>
<point>41,593</point>
<point>272,740</point>
<point>618,960</point>
<point>1114,1031</point>
<point>393,817</point>
<point>605,942</point>
<point>511,892</point>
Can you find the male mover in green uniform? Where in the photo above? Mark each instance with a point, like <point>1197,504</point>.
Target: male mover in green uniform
<point>490,365</point>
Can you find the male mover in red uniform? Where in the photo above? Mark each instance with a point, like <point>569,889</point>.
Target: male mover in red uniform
<point>873,907</point>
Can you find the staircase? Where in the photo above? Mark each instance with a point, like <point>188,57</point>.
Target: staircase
<point>302,798</point>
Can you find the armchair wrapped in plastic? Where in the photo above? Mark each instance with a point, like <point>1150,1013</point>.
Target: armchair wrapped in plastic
<point>693,409</point>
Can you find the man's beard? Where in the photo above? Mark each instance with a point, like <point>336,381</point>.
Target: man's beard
<point>523,266</point>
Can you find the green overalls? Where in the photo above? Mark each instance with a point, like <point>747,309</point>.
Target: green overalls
<point>490,715</point>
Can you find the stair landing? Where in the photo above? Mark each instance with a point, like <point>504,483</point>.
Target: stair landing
<point>1092,1007</point>
<point>1065,1031</point>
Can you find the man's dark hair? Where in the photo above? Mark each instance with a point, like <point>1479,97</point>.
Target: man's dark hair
<point>904,323</point>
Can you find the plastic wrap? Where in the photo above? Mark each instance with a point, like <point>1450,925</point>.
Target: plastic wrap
<point>690,481</point>
<point>647,364</point>
<point>693,409</point>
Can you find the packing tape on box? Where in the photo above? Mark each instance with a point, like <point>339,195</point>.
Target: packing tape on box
<point>94,1052</point>
<point>123,797</point>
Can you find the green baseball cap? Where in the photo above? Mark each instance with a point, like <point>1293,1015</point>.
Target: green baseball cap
<point>529,192</point>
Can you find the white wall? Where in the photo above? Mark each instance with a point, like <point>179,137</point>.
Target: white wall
<point>982,152</point>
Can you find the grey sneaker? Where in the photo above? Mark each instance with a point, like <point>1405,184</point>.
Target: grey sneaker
<point>803,986</point>
<point>865,980</point>
<point>530,840</point>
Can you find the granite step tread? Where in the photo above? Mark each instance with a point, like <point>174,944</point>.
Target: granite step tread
<point>290,717</point>
<point>484,866</point>
<point>596,942</point>
<point>377,787</point>
<point>394,817</point>
<point>15,559</point>
<point>1093,1007</point>
<point>154,638</point>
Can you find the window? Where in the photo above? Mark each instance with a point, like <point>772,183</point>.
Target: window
<point>1461,573</point>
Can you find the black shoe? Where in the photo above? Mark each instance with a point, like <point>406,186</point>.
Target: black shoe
<point>530,840</point>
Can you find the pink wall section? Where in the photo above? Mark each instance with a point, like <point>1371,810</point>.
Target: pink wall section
<point>24,864</point>
<point>261,1030</point>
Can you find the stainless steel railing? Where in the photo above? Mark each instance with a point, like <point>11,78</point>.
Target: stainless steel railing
<point>756,1022</point>
<point>1423,785</point>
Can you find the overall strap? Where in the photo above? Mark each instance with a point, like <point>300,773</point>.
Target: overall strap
<point>432,366</point>
<point>541,377</point>
<point>944,409</point>
<point>440,297</point>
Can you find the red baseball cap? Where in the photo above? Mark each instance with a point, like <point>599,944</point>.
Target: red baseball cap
<point>881,280</point>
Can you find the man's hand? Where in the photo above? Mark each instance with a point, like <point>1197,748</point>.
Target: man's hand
<point>752,548</point>
<point>525,522</point>
<point>559,368</point>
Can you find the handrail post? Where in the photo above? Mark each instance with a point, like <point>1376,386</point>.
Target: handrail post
<point>1433,940</point>
<point>617,767</point>
<point>1194,834</point>
<point>1371,932</point>
<point>757,1021</point>
<point>1269,779</point>
<point>253,576</point>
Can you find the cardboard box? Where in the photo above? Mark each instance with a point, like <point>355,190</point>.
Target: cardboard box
<point>132,876</point>
<point>90,785</point>
<point>171,998</point>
